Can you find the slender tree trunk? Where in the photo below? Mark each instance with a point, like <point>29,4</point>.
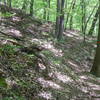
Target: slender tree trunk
<point>83,6</point>
<point>88,19</point>
<point>45,10</point>
<point>57,18</point>
<point>68,15</point>
<point>31,7</point>
<point>9,2</point>
<point>71,18</point>
<point>48,16</point>
<point>24,5</point>
<point>5,2</point>
<point>61,25</point>
<point>96,65</point>
<point>94,22</point>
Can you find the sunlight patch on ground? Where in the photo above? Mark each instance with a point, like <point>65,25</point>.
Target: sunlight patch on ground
<point>47,83</point>
<point>41,66</point>
<point>36,40</point>
<point>94,86</point>
<point>63,78</point>
<point>74,34</point>
<point>91,81</point>
<point>69,35</point>
<point>84,89</point>
<point>45,95</point>
<point>87,86</point>
<point>16,19</point>
<point>15,32</point>
<point>2,27</point>
<point>75,66</point>
<point>8,41</point>
<point>10,31</point>
<point>2,19</point>
<point>10,82</point>
<point>83,77</point>
<point>49,46</point>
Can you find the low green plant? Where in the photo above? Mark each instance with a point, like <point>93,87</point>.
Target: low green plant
<point>6,14</point>
<point>3,82</point>
<point>7,49</point>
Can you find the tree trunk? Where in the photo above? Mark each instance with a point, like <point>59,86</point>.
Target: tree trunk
<point>83,7</point>
<point>94,22</point>
<point>48,10</point>
<point>24,5</point>
<point>31,7</point>
<point>71,18</point>
<point>45,10</point>
<point>68,14</point>
<point>61,25</point>
<point>5,2</point>
<point>9,3</point>
<point>60,19</point>
<point>88,19</point>
<point>96,65</point>
<point>57,18</point>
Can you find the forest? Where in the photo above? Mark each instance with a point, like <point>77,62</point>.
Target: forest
<point>49,49</point>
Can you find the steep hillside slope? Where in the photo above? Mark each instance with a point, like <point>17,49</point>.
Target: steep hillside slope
<point>34,66</point>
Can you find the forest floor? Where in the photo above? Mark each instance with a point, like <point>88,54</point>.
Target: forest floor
<point>34,66</point>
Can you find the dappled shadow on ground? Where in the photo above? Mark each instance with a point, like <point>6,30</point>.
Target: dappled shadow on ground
<point>61,73</point>
<point>73,34</point>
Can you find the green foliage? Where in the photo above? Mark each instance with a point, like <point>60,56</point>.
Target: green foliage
<point>7,14</point>
<point>3,82</point>
<point>41,5</point>
<point>7,49</point>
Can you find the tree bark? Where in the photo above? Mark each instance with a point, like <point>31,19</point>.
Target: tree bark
<point>71,18</point>
<point>68,14</point>
<point>48,16</point>
<point>60,19</point>
<point>61,25</point>
<point>83,7</point>
<point>88,19</point>
<point>57,18</point>
<point>94,22</point>
<point>24,5</point>
<point>45,9</point>
<point>96,65</point>
<point>31,7</point>
<point>9,3</point>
